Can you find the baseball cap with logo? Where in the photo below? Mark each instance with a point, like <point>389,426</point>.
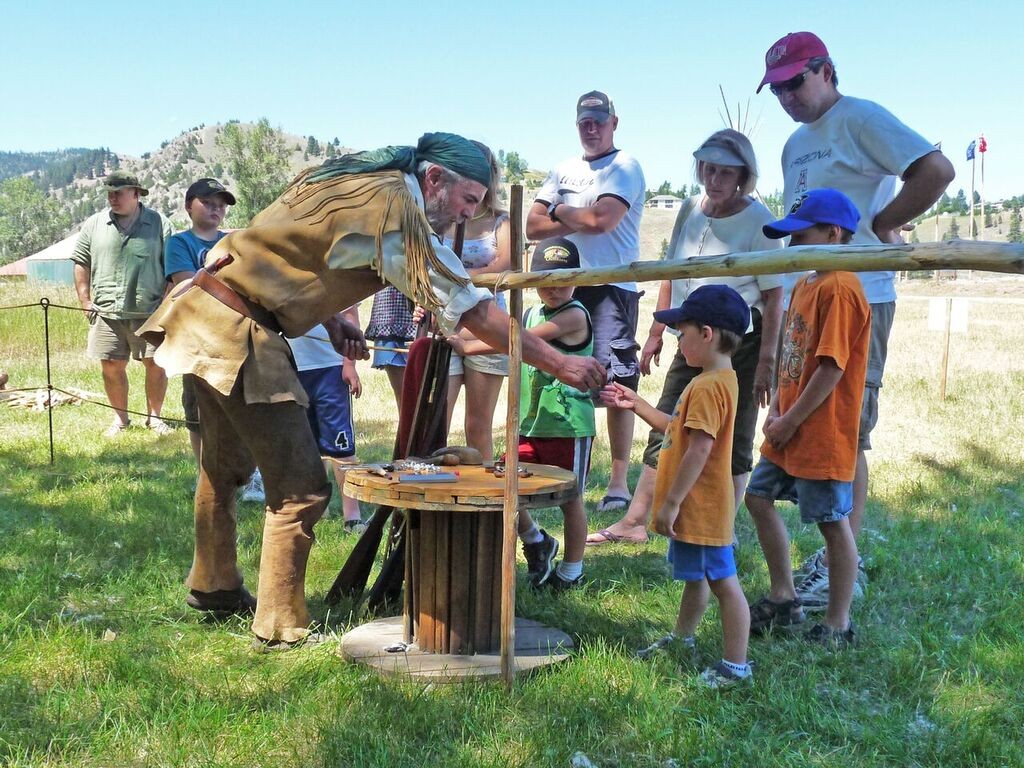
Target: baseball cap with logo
<point>555,253</point>
<point>816,206</point>
<point>788,56</point>
<point>714,304</point>
<point>595,106</point>
<point>208,188</point>
<point>123,180</point>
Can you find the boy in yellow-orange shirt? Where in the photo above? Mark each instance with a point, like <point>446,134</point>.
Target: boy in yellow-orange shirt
<point>693,494</point>
<point>809,455</point>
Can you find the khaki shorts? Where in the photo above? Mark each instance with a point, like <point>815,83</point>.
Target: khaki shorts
<point>496,365</point>
<point>881,325</point>
<point>117,340</point>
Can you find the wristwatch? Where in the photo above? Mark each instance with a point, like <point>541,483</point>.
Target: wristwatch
<point>551,212</point>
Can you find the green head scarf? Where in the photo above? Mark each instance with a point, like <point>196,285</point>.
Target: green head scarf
<point>454,152</point>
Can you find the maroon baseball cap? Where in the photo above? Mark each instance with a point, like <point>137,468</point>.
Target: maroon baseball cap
<point>788,56</point>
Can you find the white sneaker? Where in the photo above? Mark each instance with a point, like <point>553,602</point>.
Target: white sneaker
<point>813,590</point>
<point>812,563</point>
<point>253,490</point>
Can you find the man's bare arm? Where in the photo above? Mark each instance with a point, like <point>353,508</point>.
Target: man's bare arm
<point>923,182</point>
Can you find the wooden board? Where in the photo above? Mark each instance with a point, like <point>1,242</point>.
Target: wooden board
<point>536,645</point>
<point>476,490</point>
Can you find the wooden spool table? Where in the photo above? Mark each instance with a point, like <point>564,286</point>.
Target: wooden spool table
<point>450,627</point>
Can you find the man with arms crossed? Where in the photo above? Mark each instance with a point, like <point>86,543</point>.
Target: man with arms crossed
<point>596,202</point>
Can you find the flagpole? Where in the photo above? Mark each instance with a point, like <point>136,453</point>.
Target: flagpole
<point>983,148</point>
<point>974,234</point>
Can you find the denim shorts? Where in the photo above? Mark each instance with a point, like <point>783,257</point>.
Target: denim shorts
<point>820,501</point>
<point>383,358</point>
<point>697,562</point>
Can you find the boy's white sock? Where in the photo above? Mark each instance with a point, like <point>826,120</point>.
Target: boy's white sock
<point>532,534</point>
<point>740,670</point>
<point>570,571</point>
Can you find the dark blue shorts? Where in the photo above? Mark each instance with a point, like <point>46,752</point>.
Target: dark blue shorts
<point>330,411</point>
<point>697,562</point>
<point>614,315</point>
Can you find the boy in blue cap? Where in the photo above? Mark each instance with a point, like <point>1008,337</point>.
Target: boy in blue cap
<point>809,455</point>
<point>694,500</point>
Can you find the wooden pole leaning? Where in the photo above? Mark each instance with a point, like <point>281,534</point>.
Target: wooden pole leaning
<point>910,257</point>
<point>510,516</point>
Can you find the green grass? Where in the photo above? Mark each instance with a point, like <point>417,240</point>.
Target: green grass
<point>101,663</point>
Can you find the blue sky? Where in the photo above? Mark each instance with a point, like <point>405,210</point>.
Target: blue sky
<point>130,75</point>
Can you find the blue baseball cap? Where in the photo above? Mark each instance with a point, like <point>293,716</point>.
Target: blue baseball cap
<point>716,305</point>
<point>816,206</point>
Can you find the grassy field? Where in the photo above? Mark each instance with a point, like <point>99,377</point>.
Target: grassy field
<point>101,663</point>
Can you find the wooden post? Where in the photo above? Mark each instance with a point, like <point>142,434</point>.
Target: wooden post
<point>945,350</point>
<point>511,510</point>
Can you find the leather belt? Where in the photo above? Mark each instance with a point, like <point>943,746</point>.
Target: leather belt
<point>230,298</point>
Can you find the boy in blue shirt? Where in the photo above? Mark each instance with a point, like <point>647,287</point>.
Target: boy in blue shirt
<point>206,203</point>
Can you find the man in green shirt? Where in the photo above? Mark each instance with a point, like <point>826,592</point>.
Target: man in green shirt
<point>119,278</point>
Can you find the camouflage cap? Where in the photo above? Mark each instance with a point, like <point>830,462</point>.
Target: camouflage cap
<point>122,180</point>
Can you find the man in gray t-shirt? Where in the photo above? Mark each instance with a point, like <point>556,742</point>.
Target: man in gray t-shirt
<point>861,149</point>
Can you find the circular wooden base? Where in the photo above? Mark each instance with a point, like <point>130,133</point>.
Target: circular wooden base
<point>536,646</point>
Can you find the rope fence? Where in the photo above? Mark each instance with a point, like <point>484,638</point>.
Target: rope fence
<point>46,305</point>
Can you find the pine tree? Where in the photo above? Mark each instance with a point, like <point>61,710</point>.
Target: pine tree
<point>258,162</point>
<point>1015,235</point>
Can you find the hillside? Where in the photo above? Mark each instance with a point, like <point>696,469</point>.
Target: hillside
<point>74,177</point>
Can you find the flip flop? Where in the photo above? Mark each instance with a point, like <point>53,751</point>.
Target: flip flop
<point>611,503</point>
<point>607,537</point>
<point>277,646</point>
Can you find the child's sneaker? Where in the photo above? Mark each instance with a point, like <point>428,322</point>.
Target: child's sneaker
<point>720,677</point>
<point>354,527</point>
<point>253,490</point>
<point>558,583</point>
<point>689,646</point>
<point>540,558</point>
<point>766,615</point>
<point>813,590</point>
<point>831,639</point>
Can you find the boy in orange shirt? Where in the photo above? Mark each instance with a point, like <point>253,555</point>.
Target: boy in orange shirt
<point>694,503</point>
<point>809,455</point>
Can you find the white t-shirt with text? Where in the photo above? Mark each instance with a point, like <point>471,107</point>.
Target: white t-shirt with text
<point>581,183</point>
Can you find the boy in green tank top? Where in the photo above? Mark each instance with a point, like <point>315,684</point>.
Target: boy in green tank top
<point>557,424</point>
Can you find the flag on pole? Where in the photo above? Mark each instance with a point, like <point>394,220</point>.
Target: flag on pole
<point>970,151</point>
<point>982,144</point>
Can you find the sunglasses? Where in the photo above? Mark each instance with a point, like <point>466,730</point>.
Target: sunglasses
<point>788,86</point>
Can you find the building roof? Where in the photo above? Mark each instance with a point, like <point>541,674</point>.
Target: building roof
<point>59,250</point>
<point>17,268</point>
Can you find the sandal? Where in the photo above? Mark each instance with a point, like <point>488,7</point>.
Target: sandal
<point>611,503</point>
<point>607,537</point>
<point>269,646</point>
